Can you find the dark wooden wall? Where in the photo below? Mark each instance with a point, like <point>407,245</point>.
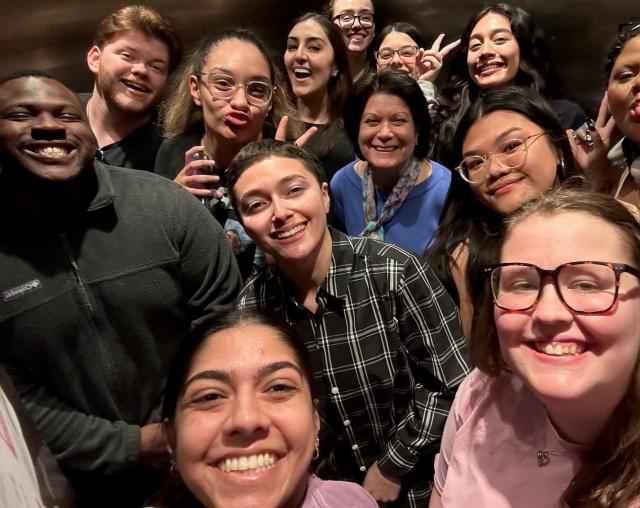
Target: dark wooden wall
<point>54,36</point>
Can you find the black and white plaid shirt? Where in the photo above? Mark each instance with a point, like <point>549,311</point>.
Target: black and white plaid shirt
<point>389,355</point>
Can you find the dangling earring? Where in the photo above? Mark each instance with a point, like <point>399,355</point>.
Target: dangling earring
<point>172,469</point>
<point>316,455</point>
<point>561,165</point>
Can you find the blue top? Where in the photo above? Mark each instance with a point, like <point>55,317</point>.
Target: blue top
<point>413,226</point>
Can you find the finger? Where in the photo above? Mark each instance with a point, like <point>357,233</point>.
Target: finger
<point>203,179</point>
<point>449,48</point>
<point>571,136</point>
<point>197,165</point>
<point>200,193</point>
<point>436,44</point>
<point>281,132</point>
<point>306,136</point>
<point>188,155</point>
<point>603,112</point>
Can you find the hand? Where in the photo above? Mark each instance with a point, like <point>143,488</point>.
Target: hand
<point>381,487</point>
<point>189,178</point>
<point>153,446</point>
<point>429,62</point>
<point>590,149</point>
<point>281,133</point>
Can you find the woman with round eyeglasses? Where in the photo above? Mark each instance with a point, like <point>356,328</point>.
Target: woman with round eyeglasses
<point>227,94</point>
<point>550,415</point>
<point>401,46</point>
<point>317,65</point>
<point>513,148</point>
<point>356,20</point>
<point>501,45</point>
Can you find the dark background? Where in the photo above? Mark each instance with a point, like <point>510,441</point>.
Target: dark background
<point>55,36</point>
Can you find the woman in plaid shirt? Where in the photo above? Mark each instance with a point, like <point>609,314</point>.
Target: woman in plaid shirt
<point>384,335</point>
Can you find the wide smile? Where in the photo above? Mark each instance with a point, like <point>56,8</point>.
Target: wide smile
<point>385,148</point>
<point>503,186</point>
<point>289,233</point>
<point>302,73</point>
<point>559,349</point>
<point>489,68</point>
<point>50,153</point>
<point>249,463</point>
<point>136,88</point>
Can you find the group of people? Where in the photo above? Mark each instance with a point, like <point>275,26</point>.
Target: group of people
<point>341,287</point>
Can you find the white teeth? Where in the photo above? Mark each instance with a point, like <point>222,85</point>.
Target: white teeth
<point>385,148</point>
<point>135,86</point>
<point>262,461</point>
<point>559,348</point>
<point>290,232</point>
<point>302,73</point>
<point>53,151</point>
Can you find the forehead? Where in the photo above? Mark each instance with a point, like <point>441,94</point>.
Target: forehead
<point>630,53</point>
<point>490,23</point>
<point>238,57</point>
<point>139,40</point>
<point>397,39</point>
<point>269,172</point>
<point>242,348</point>
<point>551,240</point>
<point>37,92</point>
<point>491,126</point>
<point>352,5</point>
<point>308,28</point>
<point>383,102</point>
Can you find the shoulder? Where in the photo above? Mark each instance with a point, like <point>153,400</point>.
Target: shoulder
<point>329,494</point>
<point>257,289</point>
<point>344,174</point>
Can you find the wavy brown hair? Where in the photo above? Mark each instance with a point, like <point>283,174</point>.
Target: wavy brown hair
<point>609,476</point>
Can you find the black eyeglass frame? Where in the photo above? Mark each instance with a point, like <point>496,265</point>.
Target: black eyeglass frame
<point>355,16</point>
<point>394,51</point>
<point>618,269</point>
<point>250,98</point>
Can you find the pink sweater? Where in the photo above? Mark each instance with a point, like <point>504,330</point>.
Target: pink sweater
<point>488,455</point>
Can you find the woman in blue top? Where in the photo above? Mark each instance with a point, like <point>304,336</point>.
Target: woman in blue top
<point>393,192</point>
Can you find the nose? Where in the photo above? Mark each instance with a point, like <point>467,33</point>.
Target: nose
<point>396,61</point>
<point>494,169</point>
<point>139,68</point>
<point>550,309</point>
<point>300,54</point>
<point>239,99</point>
<point>281,211</point>
<point>385,132</point>
<point>48,128</point>
<point>486,48</point>
<point>247,416</point>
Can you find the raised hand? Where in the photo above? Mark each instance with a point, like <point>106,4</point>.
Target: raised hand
<point>429,61</point>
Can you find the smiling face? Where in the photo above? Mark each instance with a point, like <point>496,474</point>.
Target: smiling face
<point>623,91</point>
<point>394,41</point>
<point>494,54</point>
<point>502,190</point>
<point>245,424</point>
<point>233,120</point>
<point>131,72</point>
<point>309,60</point>
<point>605,346</point>
<point>357,39</point>
<point>43,130</point>
<point>283,208</point>
<point>388,135</point>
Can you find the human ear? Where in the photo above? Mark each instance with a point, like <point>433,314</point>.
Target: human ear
<point>93,59</point>
<point>194,90</point>
<point>325,197</point>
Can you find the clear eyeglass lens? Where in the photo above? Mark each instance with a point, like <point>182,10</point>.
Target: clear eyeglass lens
<point>585,287</point>
<point>512,154</point>
<point>347,20</point>
<point>225,87</point>
<point>405,52</point>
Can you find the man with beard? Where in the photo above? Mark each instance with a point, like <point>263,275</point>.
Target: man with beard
<point>135,49</point>
<point>102,271</point>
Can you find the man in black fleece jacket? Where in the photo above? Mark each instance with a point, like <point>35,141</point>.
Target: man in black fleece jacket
<point>102,270</point>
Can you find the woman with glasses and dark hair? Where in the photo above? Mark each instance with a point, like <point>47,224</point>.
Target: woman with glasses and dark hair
<point>550,415</point>
<point>401,46</point>
<point>317,64</point>
<point>227,94</point>
<point>512,148</point>
<point>500,46</point>
<point>356,20</point>
<point>622,73</point>
<point>393,192</point>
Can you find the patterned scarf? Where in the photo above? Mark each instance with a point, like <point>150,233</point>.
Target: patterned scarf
<point>374,228</point>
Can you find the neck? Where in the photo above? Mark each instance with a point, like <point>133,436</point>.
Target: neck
<point>220,150</point>
<point>580,423</point>
<point>109,124</point>
<point>387,178</point>
<point>307,276</point>
<point>314,108</point>
<point>356,64</point>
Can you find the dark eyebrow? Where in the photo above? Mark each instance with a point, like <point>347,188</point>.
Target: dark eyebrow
<point>259,192</point>
<point>493,32</point>
<point>222,70</point>
<point>225,377</point>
